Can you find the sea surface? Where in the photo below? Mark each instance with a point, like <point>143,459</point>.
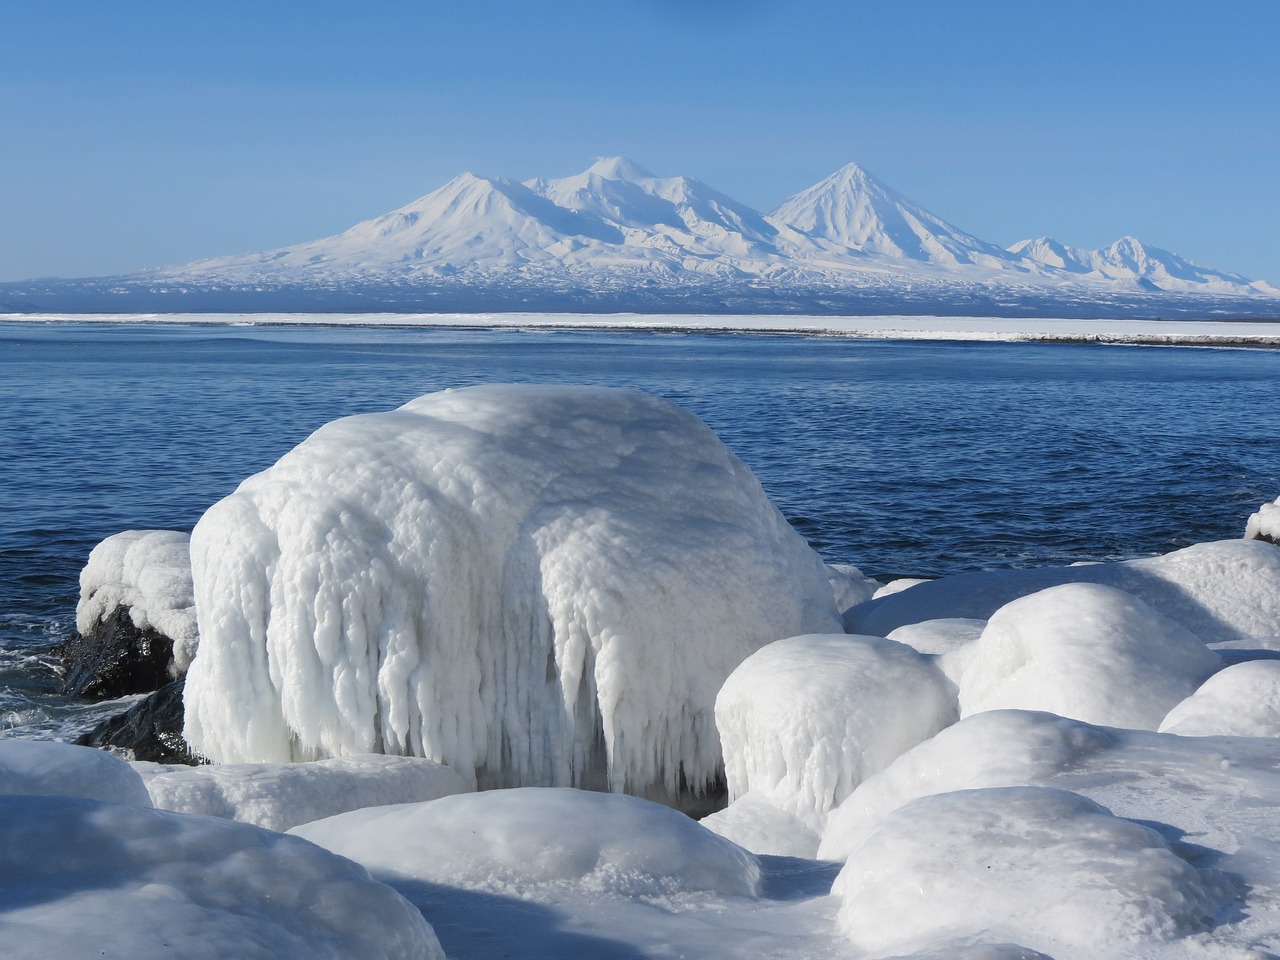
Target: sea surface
<point>905,458</point>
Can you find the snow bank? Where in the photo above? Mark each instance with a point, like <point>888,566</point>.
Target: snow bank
<point>80,878</point>
<point>522,840</point>
<point>1265,524</point>
<point>149,573</point>
<point>806,719</point>
<point>1226,590</point>
<point>34,767</point>
<point>534,585</point>
<point>1085,651</point>
<point>1040,867</point>
<point>754,822</point>
<point>1241,701</point>
<point>282,795</point>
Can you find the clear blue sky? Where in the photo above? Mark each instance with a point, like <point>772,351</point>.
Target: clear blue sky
<point>151,132</point>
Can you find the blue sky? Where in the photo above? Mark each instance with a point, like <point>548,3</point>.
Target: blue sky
<point>152,133</point>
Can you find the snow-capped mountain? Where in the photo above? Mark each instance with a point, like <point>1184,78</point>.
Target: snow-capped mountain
<point>616,237</point>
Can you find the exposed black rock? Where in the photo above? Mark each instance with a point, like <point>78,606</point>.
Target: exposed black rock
<point>115,659</point>
<point>150,730</point>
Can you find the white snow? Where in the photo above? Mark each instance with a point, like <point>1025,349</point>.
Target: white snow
<point>1039,867</point>
<point>34,768</point>
<point>1224,590</point>
<point>1242,700</point>
<point>805,720</point>
<point>756,823</point>
<point>1085,651</point>
<point>278,796</point>
<point>148,572</point>
<point>939,636</point>
<point>850,585</point>
<point>547,839</point>
<point>80,878</point>
<point>533,585</point>
<point>1264,523</point>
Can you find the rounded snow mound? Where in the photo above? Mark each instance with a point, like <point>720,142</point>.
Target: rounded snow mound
<point>1265,524</point>
<point>80,878</point>
<point>533,585</point>
<point>148,572</point>
<point>999,748</point>
<point>805,720</point>
<point>517,841</point>
<point>939,637</point>
<point>1085,651</point>
<point>278,796</point>
<point>1031,865</point>
<point>1240,701</point>
<point>754,822</point>
<point>40,768</point>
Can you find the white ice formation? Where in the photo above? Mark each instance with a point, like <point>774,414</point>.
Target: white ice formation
<point>1265,524</point>
<point>1223,590</point>
<point>805,720</point>
<point>278,796</point>
<point>1084,651</point>
<point>1035,866</point>
<point>850,585</point>
<point>37,768</point>
<point>1242,700</point>
<point>528,839</point>
<point>80,878</point>
<point>755,822</point>
<point>149,573</point>
<point>533,585</point>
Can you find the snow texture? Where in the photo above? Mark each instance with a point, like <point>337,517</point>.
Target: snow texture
<point>1224,590</point>
<point>805,720</point>
<point>1084,651</point>
<point>533,585</point>
<point>547,839</point>
<point>35,768</point>
<point>756,823</point>
<point>939,637</point>
<point>80,878</point>
<point>1242,700</point>
<point>850,586</point>
<point>149,573</point>
<point>1265,524</point>
<point>278,796</point>
<point>1036,866</point>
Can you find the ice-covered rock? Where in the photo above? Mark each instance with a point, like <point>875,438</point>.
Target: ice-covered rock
<point>80,878</point>
<point>806,719</point>
<point>282,795</point>
<point>1224,590</point>
<point>1036,866</point>
<point>531,838</point>
<point>1242,700</point>
<point>850,585</point>
<point>149,730</point>
<point>1084,651</point>
<point>1265,524</point>
<point>939,636</point>
<point>534,585</point>
<point>36,768</point>
<point>756,823</point>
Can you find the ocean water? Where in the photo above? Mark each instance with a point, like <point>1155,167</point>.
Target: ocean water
<point>906,458</point>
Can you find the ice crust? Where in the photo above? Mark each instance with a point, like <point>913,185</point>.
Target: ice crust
<point>80,878</point>
<point>542,838</point>
<point>534,585</point>
<point>805,720</point>
<point>1036,866</point>
<point>1223,590</point>
<point>1085,651</point>
<point>1242,700</point>
<point>34,768</point>
<point>278,796</point>
<point>1265,523</point>
<point>757,823</point>
<point>149,573</point>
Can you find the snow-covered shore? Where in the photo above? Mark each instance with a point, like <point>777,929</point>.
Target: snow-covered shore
<point>1210,333</point>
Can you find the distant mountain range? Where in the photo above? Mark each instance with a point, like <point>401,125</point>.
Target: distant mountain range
<point>615,237</point>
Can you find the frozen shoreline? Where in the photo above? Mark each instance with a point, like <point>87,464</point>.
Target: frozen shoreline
<point>1208,333</point>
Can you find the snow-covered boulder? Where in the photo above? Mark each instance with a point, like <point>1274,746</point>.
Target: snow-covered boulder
<point>1085,651</point>
<point>1265,524</point>
<point>939,637</point>
<point>533,839</point>
<point>850,585</point>
<point>533,585</point>
<point>1044,868</point>
<point>80,878</point>
<point>756,823</point>
<point>805,720</point>
<point>35,768</point>
<point>1225,590</point>
<point>282,795</point>
<point>135,621</point>
<point>1242,700</point>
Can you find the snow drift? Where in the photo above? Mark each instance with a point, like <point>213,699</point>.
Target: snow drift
<point>1241,701</point>
<point>533,585</point>
<point>36,768</point>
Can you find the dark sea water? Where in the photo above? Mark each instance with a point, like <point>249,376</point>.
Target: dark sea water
<point>906,458</point>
